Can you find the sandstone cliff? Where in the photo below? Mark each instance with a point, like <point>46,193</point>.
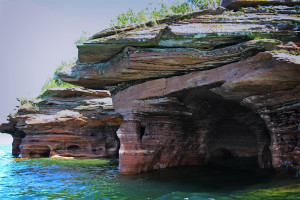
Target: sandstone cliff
<point>66,122</point>
<point>211,87</point>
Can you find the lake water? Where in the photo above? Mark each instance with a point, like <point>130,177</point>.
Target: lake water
<point>99,179</point>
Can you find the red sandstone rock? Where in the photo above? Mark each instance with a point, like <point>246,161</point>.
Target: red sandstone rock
<point>155,63</point>
<point>192,90</point>
<point>200,41</point>
<point>205,93</point>
<point>166,105</point>
<point>69,122</point>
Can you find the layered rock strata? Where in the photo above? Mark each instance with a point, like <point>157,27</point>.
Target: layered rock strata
<point>216,113</point>
<point>213,87</point>
<point>66,122</point>
<point>193,42</point>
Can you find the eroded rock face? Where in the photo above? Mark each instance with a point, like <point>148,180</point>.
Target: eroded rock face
<point>68,122</point>
<point>193,42</point>
<point>217,88</point>
<point>222,110</point>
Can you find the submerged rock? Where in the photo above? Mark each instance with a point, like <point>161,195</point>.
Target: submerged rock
<point>66,122</point>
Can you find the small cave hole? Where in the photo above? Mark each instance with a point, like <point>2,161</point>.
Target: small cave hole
<point>95,150</point>
<point>142,131</point>
<point>46,154</point>
<point>73,148</point>
<point>41,152</point>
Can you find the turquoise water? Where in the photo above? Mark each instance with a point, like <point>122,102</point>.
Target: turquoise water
<point>99,179</point>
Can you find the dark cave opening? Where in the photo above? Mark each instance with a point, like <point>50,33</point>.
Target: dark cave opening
<point>142,131</point>
<point>236,139</point>
<point>230,135</point>
<point>73,148</point>
<point>40,152</point>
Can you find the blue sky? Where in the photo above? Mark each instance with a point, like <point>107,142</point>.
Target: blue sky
<point>37,35</point>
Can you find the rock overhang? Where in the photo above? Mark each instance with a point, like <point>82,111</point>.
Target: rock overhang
<point>193,82</point>
<point>183,39</point>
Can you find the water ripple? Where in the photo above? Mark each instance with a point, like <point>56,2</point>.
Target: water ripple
<point>99,179</point>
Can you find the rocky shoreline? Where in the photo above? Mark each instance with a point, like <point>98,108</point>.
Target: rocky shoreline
<point>215,87</point>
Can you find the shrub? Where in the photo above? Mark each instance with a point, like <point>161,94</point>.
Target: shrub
<point>83,38</point>
<point>55,82</point>
<point>181,8</point>
<point>24,102</point>
<point>151,13</point>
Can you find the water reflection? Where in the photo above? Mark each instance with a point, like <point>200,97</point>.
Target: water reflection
<point>99,179</point>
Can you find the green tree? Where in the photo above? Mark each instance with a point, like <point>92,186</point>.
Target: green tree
<point>151,13</point>
<point>55,82</point>
<point>83,38</point>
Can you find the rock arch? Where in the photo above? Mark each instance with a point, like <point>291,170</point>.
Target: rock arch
<point>193,127</point>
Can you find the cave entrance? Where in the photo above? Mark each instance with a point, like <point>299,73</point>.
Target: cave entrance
<point>40,152</point>
<point>73,148</point>
<point>229,135</point>
<point>232,144</point>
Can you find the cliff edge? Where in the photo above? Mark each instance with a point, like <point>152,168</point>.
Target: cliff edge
<point>216,87</point>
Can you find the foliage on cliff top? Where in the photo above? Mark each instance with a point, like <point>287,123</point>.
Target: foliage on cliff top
<point>83,38</point>
<point>27,106</point>
<point>153,13</point>
<point>55,82</point>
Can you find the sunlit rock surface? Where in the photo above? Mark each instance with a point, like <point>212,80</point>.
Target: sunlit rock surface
<point>193,42</point>
<point>214,87</point>
<point>67,122</point>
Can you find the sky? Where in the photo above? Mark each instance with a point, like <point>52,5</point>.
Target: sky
<point>37,35</point>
